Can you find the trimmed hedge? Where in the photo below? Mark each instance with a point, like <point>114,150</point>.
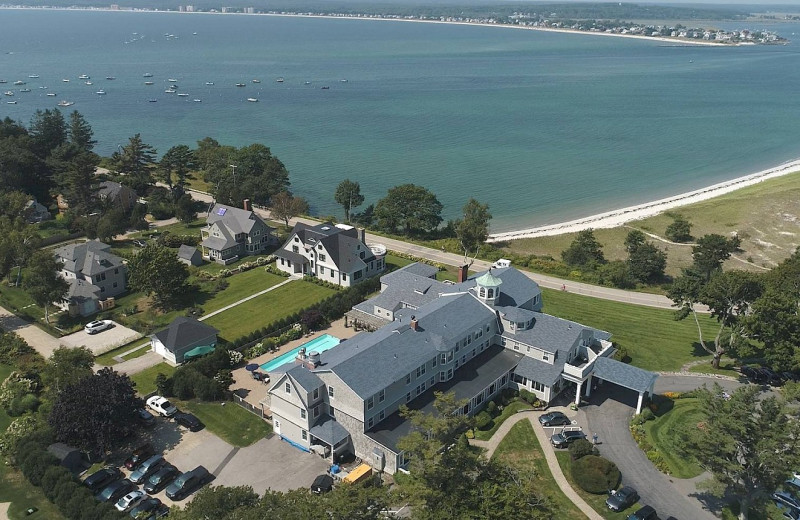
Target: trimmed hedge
<point>581,448</point>
<point>595,474</point>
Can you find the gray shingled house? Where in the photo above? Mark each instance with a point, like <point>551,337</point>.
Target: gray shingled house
<point>473,338</point>
<point>184,339</point>
<point>94,275</point>
<point>118,194</point>
<point>334,253</point>
<point>232,233</point>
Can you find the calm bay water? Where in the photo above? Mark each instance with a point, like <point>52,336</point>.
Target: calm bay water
<point>544,127</point>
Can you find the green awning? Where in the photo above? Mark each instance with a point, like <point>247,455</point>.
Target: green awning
<point>202,350</point>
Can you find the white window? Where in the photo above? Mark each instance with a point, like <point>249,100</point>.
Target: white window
<point>321,256</point>
<point>408,378</point>
<point>316,411</point>
<point>408,396</point>
<point>370,422</point>
<point>545,357</point>
<point>381,415</point>
<point>321,270</point>
<point>316,393</point>
<point>381,396</point>
<point>441,376</point>
<point>444,358</point>
<point>344,277</point>
<point>330,391</point>
<point>288,388</point>
<point>304,435</point>
<point>302,413</point>
<point>370,403</point>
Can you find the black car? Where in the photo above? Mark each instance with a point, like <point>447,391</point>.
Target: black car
<point>322,484</point>
<point>644,513</point>
<point>145,506</point>
<point>753,374</point>
<point>188,420</point>
<point>554,419</point>
<point>145,418</point>
<point>188,482</point>
<point>115,491</point>
<point>160,478</point>
<point>786,498</point>
<point>101,478</point>
<point>565,438</point>
<point>622,499</point>
<point>139,455</point>
<point>772,378</point>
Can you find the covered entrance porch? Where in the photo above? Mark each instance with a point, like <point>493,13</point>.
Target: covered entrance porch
<point>329,439</point>
<point>621,374</point>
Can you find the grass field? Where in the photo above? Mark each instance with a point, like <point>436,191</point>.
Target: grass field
<point>230,422</point>
<point>242,285</point>
<point>14,487</point>
<point>521,449</point>
<point>653,339</point>
<point>597,502</point>
<point>762,215</point>
<point>146,379</point>
<point>267,308</point>
<point>664,431</point>
<point>507,412</point>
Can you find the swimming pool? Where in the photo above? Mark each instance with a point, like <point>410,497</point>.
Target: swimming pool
<point>320,344</point>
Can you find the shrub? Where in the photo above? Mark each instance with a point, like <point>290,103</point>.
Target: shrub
<point>595,474</point>
<point>491,407</point>
<point>647,414</point>
<point>483,421</point>
<point>470,434</point>
<point>581,448</point>
<point>527,396</point>
<point>22,404</point>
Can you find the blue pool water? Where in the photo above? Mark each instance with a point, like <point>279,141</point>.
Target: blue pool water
<point>320,344</point>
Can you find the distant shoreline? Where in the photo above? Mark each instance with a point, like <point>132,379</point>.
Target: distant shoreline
<point>681,41</point>
<point>618,217</point>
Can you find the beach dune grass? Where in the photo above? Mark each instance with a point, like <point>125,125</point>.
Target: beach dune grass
<point>521,449</point>
<point>651,337</point>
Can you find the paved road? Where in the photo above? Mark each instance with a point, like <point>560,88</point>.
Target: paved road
<point>608,414</point>
<point>551,282</point>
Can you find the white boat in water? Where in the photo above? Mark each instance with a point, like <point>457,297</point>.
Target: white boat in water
<point>209,83</point>
<point>169,91</point>
<point>256,81</point>
<point>8,93</point>
<point>66,103</point>
<point>197,100</point>
<point>183,94</point>
<point>88,82</point>
<point>252,100</point>
<point>24,90</point>
<point>83,76</point>
<point>11,102</point>
<point>33,76</point>
<point>65,80</point>
<point>147,75</point>
<point>51,94</point>
<point>148,82</point>
<point>279,80</point>
<point>19,82</point>
<point>172,80</point>
<point>101,92</point>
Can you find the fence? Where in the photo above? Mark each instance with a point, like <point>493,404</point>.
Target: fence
<point>250,408</point>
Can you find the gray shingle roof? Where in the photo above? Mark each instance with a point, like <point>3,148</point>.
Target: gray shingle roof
<point>111,190</point>
<point>226,241</point>
<point>419,269</point>
<point>553,334</point>
<point>370,362</point>
<point>622,374</point>
<point>304,378</point>
<point>81,290</point>
<point>516,314</point>
<point>341,244</point>
<point>88,258</point>
<point>516,290</point>
<point>297,258</point>
<point>235,219</point>
<point>182,332</point>
<point>187,252</point>
<point>537,370</point>
<point>330,431</point>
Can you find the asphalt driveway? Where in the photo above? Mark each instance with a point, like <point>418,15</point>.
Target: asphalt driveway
<point>608,414</point>
<point>103,341</point>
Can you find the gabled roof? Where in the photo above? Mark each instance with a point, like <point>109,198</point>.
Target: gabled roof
<point>304,378</point>
<point>235,219</point>
<point>539,371</point>
<point>516,289</point>
<point>111,190</point>
<point>623,374</point>
<point>220,243</point>
<point>88,258</point>
<point>341,243</point>
<point>553,334</point>
<point>183,332</point>
<point>81,290</point>
<point>187,252</point>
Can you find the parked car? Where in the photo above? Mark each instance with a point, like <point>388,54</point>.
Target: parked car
<point>145,418</point>
<point>139,455</point>
<point>130,500</point>
<point>790,376</point>
<point>161,478</point>
<point>787,499</point>
<point>565,438</point>
<point>101,478</point>
<point>139,243</point>
<point>322,484</point>
<point>772,378</point>
<point>147,468</point>
<point>159,512</point>
<point>644,513</point>
<point>554,419</point>
<point>622,499</point>
<point>753,374</point>
<point>93,327</point>
<point>188,420</point>
<point>148,505</point>
<point>115,490</point>
<point>793,485</point>
<point>786,511</point>
<point>188,482</point>
<point>161,406</point>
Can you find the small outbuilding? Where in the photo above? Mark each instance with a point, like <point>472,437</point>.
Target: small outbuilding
<point>71,458</point>
<point>184,339</point>
<point>190,255</point>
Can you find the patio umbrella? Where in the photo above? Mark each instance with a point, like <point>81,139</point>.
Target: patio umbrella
<point>252,367</point>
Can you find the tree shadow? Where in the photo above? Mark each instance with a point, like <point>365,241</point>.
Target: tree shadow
<point>663,405</point>
<point>698,350</point>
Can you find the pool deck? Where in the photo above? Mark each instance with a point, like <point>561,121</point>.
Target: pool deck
<point>254,391</point>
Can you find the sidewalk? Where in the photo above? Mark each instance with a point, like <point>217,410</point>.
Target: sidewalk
<point>234,304</point>
<point>549,454</point>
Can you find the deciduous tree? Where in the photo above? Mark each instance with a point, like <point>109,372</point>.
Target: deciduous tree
<point>680,230</point>
<point>67,366</point>
<point>472,229</point>
<point>410,207</point>
<point>43,282</point>
<point>285,207</point>
<point>156,270</point>
<point>95,412</point>
<point>584,251</point>
<point>348,196</point>
<point>748,444</point>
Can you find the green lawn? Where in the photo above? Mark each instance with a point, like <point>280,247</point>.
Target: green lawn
<point>15,299</point>
<point>727,367</point>
<point>230,422</point>
<point>241,286</point>
<point>664,431</point>
<point>507,412</point>
<point>597,502</point>
<point>653,339</point>
<point>14,487</point>
<point>521,449</point>
<point>267,308</point>
<point>106,359</point>
<point>146,379</point>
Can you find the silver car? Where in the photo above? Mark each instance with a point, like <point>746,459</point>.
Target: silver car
<point>147,468</point>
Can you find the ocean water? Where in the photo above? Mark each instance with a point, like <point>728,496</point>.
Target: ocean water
<point>544,127</point>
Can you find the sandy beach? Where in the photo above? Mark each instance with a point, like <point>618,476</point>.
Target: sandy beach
<point>619,217</point>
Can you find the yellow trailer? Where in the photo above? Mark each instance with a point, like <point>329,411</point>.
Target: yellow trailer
<point>359,474</point>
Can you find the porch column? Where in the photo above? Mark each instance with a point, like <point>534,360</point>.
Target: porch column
<point>639,404</point>
<point>578,393</point>
<point>589,385</point>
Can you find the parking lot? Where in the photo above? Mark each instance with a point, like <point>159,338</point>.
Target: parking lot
<point>103,341</point>
<point>268,464</point>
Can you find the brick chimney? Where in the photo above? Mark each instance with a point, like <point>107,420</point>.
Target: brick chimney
<point>246,205</point>
<point>413,323</point>
<point>463,273</point>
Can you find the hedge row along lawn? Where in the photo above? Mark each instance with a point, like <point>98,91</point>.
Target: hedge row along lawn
<point>597,502</point>
<point>507,412</point>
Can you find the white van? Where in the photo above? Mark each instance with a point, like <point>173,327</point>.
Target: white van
<point>501,263</point>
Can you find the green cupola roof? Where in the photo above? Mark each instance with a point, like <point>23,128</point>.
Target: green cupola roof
<point>488,280</point>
